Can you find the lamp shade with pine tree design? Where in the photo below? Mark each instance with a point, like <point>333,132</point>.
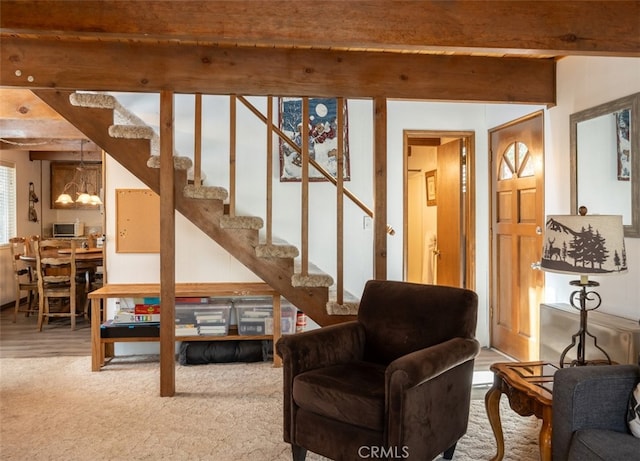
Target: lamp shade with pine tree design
<point>584,245</point>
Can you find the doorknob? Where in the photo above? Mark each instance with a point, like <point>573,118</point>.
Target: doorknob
<point>538,230</point>
<point>536,266</point>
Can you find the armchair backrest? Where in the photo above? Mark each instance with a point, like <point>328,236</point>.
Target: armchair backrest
<point>403,317</point>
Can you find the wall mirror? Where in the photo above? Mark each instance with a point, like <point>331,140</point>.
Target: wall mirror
<point>605,161</point>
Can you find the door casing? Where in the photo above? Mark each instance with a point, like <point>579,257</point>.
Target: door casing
<point>469,214</point>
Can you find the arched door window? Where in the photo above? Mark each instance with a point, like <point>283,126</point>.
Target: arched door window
<point>515,162</point>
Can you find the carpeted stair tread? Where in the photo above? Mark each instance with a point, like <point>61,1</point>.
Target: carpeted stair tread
<point>179,163</point>
<point>205,192</point>
<point>126,124</point>
<point>93,100</point>
<point>241,222</point>
<point>277,250</point>
<point>314,278</point>
<point>349,306</point>
<point>131,131</point>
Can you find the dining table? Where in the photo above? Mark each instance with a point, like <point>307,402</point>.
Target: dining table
<point>86,258</point>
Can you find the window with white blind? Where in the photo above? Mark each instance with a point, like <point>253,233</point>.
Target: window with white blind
<point>7,201</point>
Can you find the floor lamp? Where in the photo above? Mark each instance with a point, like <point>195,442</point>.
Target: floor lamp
<point>584,245</point>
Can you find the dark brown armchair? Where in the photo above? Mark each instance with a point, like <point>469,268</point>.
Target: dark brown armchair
<point>394,384</point>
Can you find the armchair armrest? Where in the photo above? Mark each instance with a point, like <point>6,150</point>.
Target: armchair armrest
<point>413,369</point>
<point>431,384</point>
<point>314,349</point>
<point>590,397</point>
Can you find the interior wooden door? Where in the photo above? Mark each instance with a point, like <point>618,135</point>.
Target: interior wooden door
<point>415,234</point>
<point>517,222</point>
<point>450,263</point>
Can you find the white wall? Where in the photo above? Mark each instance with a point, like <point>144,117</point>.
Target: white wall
<point>583,83</point>
<point>26,172</point>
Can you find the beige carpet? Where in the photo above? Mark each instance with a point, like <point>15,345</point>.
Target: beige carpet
<point>57,409</point>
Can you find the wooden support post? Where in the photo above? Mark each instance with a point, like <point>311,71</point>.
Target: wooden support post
<point>340,202</point>
<point>305,187</point>
<point>232,155</point>
<point>380,189</point>
<point>167,249</point>
<point>269,170</point>
<point>197,148</point>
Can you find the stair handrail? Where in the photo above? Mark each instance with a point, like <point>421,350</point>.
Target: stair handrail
<point>312,162</point>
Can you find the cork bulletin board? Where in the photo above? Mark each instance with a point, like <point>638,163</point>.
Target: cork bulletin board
<point>137,221</point>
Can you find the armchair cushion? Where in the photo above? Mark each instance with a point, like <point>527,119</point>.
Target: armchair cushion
<point>352,393</point>
<point>601,444</point>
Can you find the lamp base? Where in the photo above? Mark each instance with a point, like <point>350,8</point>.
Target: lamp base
<point>578,340</point>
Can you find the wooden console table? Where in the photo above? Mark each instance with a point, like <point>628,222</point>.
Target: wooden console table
<point>102,348</point>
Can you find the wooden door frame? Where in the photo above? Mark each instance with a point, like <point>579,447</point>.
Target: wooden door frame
<point>492,167</point>
<point>469,215</point>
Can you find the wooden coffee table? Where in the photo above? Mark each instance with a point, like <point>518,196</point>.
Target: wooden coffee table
<point>529,386</point>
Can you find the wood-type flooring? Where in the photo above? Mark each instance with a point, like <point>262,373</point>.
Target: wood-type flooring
<point>22,339</point>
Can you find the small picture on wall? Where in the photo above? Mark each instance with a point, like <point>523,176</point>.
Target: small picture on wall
<point>623,144</point>
<point>430,178</point>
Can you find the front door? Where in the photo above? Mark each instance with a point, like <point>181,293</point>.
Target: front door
<point>517,213</point>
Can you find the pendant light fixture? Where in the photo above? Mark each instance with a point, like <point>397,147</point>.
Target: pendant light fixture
<point>81,185</point>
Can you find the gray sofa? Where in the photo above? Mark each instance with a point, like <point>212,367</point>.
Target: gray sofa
<point>589,413</point>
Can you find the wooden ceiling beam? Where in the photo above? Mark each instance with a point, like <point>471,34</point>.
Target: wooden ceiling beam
<point>39,128</point>
<point>510,26</point>
<point>24,105</point>
<point>147,67</point>
<point>55,156</point>
<point>48,145</point>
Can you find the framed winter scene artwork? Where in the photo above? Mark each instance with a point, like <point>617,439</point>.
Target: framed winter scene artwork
<point>323,138</point>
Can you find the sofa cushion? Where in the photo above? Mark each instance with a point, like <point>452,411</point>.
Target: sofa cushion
<point>352,393</point>
<point>600,444</point>
<point>633,415</point>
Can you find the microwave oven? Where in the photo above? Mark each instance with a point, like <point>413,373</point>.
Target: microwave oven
<point>68,229</point>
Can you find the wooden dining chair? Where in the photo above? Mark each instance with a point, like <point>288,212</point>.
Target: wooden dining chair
<point>56,266</point>
<point>25,278</point>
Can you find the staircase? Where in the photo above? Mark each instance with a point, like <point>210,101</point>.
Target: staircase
<point>134,145</point>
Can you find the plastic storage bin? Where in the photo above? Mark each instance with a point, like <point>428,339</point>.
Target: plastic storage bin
<point>203,319</point>
<point>255,316</point>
